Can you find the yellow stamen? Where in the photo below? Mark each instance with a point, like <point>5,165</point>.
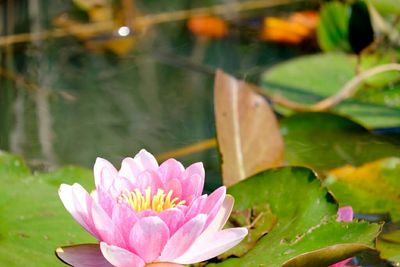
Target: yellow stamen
<point>159,202</point>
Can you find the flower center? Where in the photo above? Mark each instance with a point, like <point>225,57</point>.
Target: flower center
<point>159,202</point>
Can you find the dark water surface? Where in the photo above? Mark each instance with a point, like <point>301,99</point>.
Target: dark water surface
<point>68,104</point>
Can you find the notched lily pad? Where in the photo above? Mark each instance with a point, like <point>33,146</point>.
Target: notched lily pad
<point>305,228</point>
<point>12,166</point>
<point>388,243</point>
<point>33,220</point>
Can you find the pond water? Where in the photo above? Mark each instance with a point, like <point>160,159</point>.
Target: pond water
<point>62,102</point>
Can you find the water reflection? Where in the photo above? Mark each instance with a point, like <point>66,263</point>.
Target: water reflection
<point>69,102</point>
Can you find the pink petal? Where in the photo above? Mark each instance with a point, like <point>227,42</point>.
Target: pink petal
<point>119,186</point>
<point>345,214</point>
<point>170,169</point>
<point>120,257</point>
<point>214,203</point>
<point>145,160</point>
<point>128,170</point>
<point>67,198</point>
<point>85,255</point>
<point>173,218</point>
<point>221,217</point>
<point>196,207</point>
<point>124,218</point>
<point>192,188</point>
<point>193,181</point>
<point>132,167</point>
<point>216,197</point>
<point>77,201</point>
<point>176,187</point>
<point>210,247</point>
<point>195,168</point>
<point>164,264</point>
<point>146,213</point>
<point>105,227</point>
<point>104,173</point>
<point>341,263</point>
<point>105,200</point>
<point>148,179</point>
<point>183,239</point>
<point>148,238</point>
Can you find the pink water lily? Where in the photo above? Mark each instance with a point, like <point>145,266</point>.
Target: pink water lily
<point>344,214</point>
<point>147,214</point>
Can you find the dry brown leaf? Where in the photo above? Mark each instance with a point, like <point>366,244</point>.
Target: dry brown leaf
<point>247,130</point>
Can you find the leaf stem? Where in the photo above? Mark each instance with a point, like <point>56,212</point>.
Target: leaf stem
<point>144,21</point>
<point>347,91</point>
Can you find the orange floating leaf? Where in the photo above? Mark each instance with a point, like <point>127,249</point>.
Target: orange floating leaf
<point>308,19</point>
<point>247,130</point>
<point>292,30</point>
<point>208,26</point>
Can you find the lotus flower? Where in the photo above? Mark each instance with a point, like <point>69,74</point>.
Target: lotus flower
<point>148,215</point>
<point>345,214</point>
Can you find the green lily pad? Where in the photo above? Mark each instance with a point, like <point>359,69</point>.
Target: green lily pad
<point>386,6</point>
<point>306,232</point>
<point>324,141</point>
<point>12,167</point>
<point>309,79</point>
<point>388,244</point>
<point>389,95</point>
<point>372,188</point>
<point>260,221</point>
<point>376,82</point>
<point>33,221</point>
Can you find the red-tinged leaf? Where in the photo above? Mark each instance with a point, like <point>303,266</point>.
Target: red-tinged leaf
<point>82,255</point>
<point>247,130</point>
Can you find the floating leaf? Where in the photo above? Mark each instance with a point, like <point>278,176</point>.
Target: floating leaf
<point>247,130</point>
<point>376,82</point>
<point>306,232</point>
<point>295,29</point>
<point>324,141</point>
<point>34,221</point>
<point>371,188</point>
<point>388,95</point>
<point>12,167</point>
<point>386,6</point>
<point>208,26</point>
<point>259,219</point>
<point>310,79</point>
<point>388,244</point>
